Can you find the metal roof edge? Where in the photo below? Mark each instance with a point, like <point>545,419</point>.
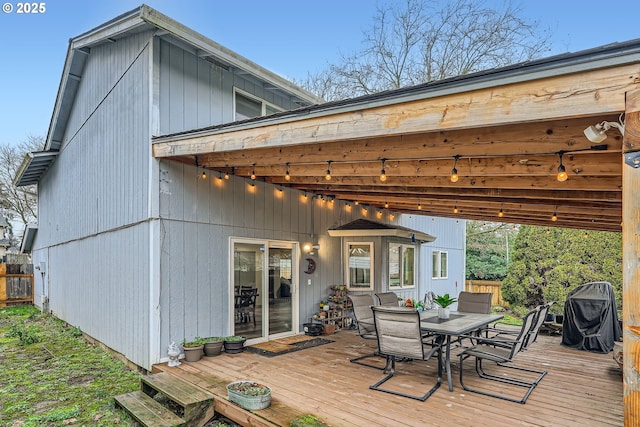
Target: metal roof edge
<point>28,237</point>
<point>28,173</point>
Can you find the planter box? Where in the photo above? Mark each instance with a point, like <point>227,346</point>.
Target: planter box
<point>193,354</point>
<point>249,402</point>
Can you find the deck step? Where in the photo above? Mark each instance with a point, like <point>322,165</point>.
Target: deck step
<point>195,405</point>
<point>146,411</point>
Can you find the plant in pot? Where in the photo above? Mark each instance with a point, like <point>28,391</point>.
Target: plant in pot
<point>193,349</point>
<point>249,394</point>
<point>213,346</point>
<point>234,344</point>
<point>444,301</point>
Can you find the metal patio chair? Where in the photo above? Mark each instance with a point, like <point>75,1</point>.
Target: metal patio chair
<point>399,337</point>
<point>366,328</point>
<point>502,351</point>
<point>388,299</point>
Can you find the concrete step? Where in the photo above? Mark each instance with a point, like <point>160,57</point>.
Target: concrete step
<point>146,411</point>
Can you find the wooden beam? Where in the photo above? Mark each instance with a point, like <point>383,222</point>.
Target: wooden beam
<point>589,93</point>
<point>631,266</point>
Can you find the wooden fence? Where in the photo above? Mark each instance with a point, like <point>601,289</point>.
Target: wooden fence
<point>487,286</point>
<point>16,281</point>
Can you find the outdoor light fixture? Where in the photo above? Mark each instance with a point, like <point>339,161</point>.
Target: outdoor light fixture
<point>562,172</point>
<point>386,204</point>
<point>598,133</point>
<point>286,174</point>
<point>253,171</point>
<point>455,209</point>
<point>454,171</point>
<point>501,213</point>
<point>328,174</point>
<point>383,174</point>
<point>226,174</point>
<point>310,248</point>
<point>554,217</point>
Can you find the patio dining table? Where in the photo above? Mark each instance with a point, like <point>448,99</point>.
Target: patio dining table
<point>458,323</point>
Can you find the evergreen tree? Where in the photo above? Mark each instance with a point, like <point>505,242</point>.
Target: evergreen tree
<point>547,263</point>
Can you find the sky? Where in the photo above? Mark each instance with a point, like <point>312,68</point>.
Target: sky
<point>289,37</point>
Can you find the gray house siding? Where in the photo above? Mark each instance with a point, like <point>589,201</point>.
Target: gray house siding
<point>200,216</point>
<point>196,93</point>
<point>94,203</point>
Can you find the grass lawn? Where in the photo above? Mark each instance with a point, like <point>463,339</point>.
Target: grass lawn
<point>50,376</point>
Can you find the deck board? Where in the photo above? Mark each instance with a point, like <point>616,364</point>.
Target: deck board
<point>581,388</point>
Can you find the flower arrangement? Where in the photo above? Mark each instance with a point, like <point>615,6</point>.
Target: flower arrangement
<point>249,388</point>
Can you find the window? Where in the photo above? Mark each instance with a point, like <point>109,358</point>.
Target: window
<point>440,265</point>
<point>401,266</point>
<point>248,106</point>
<point>359,265</point>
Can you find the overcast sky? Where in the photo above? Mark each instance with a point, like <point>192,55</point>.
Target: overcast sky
<point>289,37</point>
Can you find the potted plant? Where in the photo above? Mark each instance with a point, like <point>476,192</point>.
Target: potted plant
<point>234,344</point>
<point>213,346</point>
<point>193,349</point>
<point>444,301</point>
<point>249,394</point>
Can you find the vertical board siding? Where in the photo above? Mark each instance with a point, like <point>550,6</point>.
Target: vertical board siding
<point>106,149</point>
<point>199,216</point>
<point>101,284</point>
<point>195,93</point>
<point>92,231</point>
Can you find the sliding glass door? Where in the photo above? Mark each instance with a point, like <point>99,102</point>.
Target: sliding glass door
<point>264,283</point>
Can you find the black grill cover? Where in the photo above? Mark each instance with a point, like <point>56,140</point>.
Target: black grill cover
<point>590,318</point>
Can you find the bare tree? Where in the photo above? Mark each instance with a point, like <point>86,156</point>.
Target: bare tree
<point>17,203</point>
<point>420,41</point>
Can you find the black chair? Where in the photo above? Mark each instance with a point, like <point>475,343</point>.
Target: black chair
<point>400,338</point>
<point>366,329</point>
<point>246,305</point>
<point>502,351</point>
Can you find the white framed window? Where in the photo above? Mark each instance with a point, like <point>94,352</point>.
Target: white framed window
<point>402,266</point>
<point>440,265</point>
<point>247,106</point>
<point>359,265</point>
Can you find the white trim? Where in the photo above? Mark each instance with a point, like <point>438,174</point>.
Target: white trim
<point>403,247</point>
<point>439,264</point>
<point>263,103</point>
<point>347,274</point>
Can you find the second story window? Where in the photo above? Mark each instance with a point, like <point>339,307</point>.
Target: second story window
<point>248,106</point>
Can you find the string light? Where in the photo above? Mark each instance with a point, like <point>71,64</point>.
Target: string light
<point>454,171</point>
<point>253,171</point>
<point>328,175</point>
<point>356,203</point>
<point>455,209</point>
<point>562,172</point>
<point>226,174</point>
<point>286,174</point>
<point>419,205</point>
<point>554,217</point>
<point>383,174</point>
<point>204,174</point>
<point>501,213</point>
<point>386,204</point>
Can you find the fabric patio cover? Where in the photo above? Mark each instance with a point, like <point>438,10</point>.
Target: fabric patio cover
<point>591,318</point>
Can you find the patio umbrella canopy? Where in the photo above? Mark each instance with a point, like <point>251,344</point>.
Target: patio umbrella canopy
<point>591,319</point>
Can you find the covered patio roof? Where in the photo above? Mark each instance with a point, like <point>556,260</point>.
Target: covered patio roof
<point>504,130</point>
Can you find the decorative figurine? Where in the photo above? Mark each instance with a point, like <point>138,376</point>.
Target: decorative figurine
<point>174,353</point>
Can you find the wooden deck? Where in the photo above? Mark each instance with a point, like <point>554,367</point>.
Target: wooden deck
<point>581,388</point>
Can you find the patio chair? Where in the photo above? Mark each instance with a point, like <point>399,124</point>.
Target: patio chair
<point>388,299</point>
<point>399,337</point>
<point>366,329</point>
<point>502,351</point>
<point>246,305</point>
<point>475,302</point>
<point>538,322</point>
